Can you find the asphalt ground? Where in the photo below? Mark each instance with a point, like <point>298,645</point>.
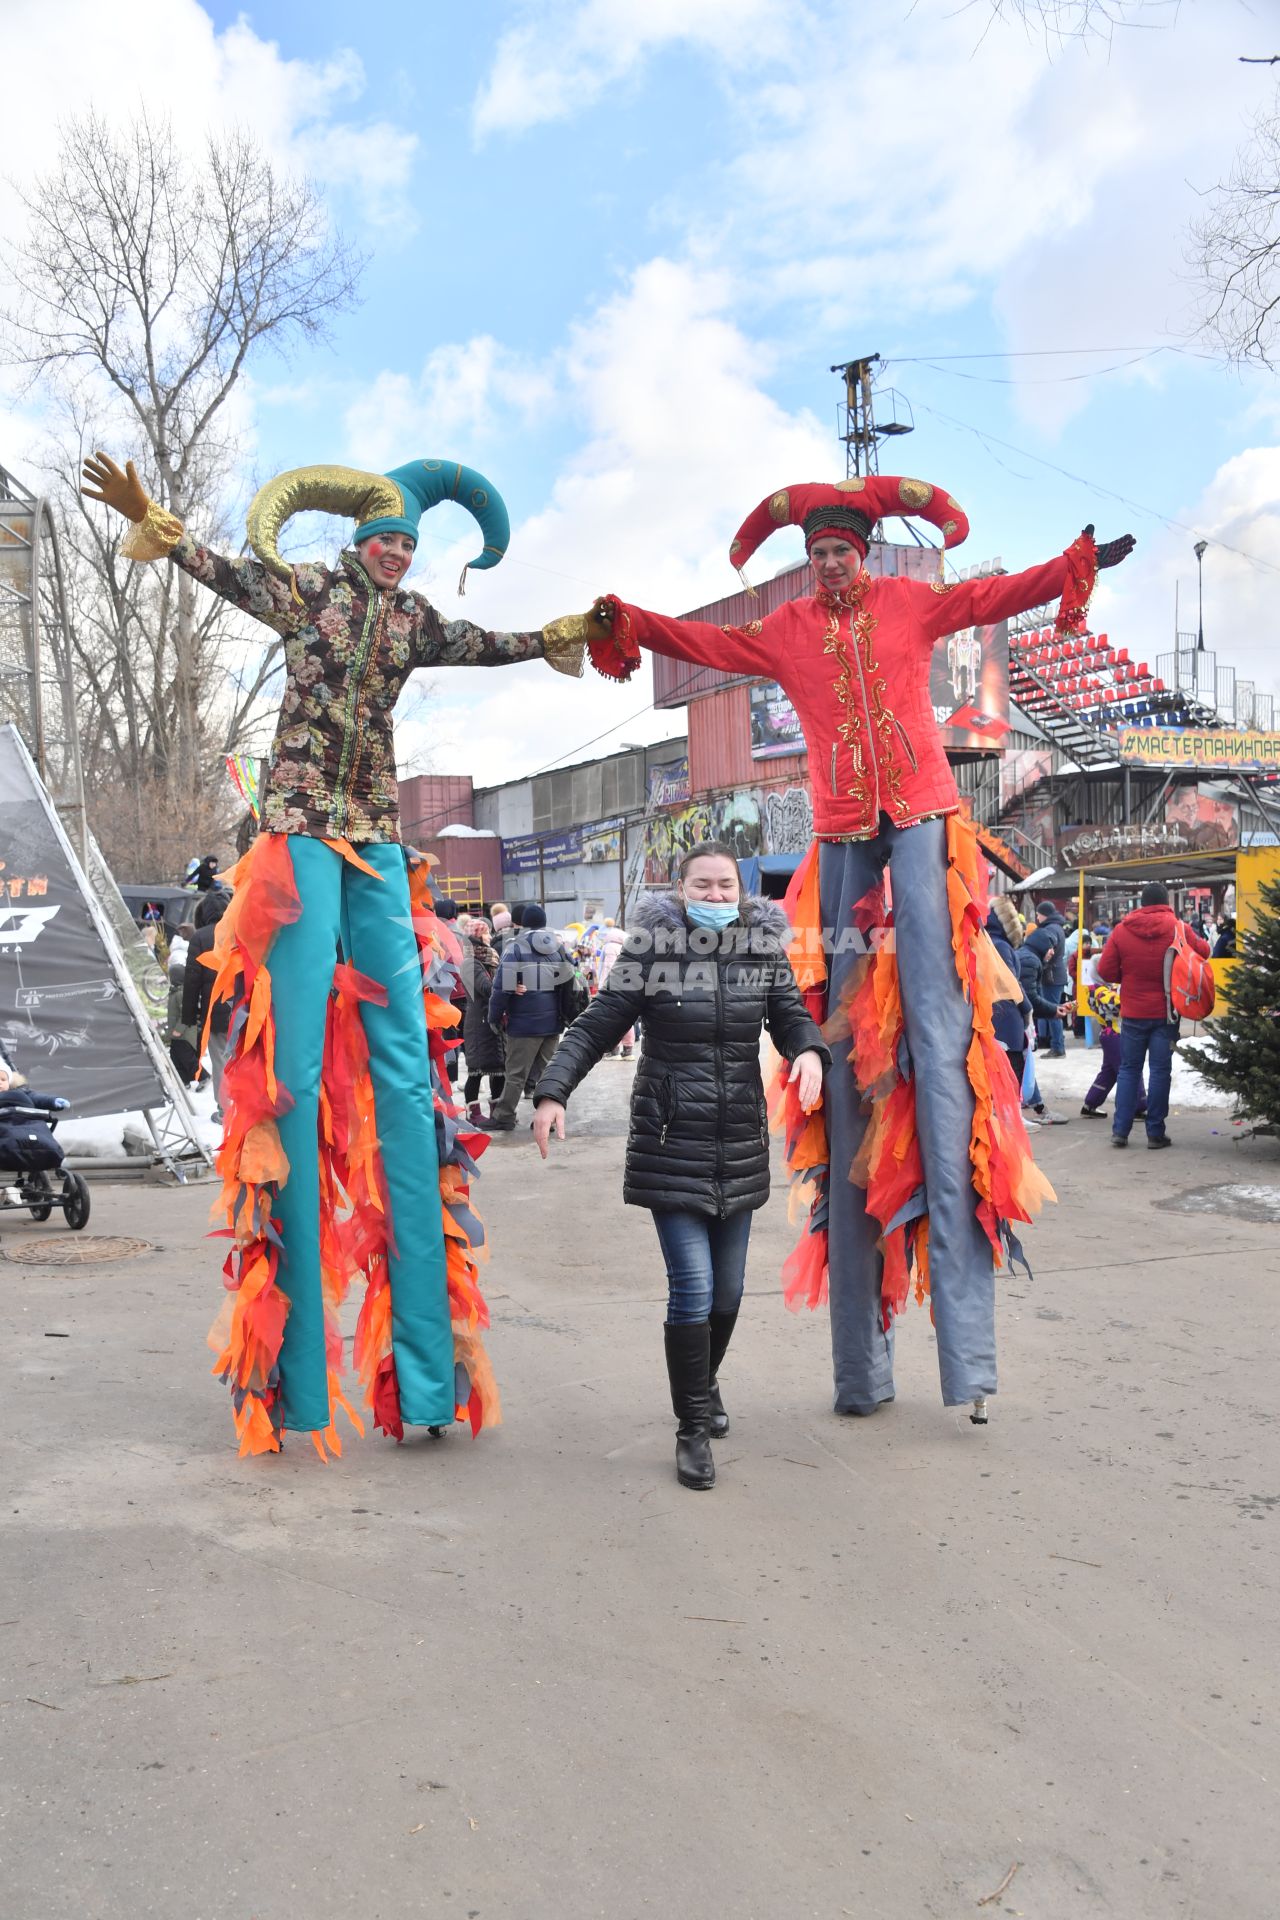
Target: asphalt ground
<point>888,1667</point>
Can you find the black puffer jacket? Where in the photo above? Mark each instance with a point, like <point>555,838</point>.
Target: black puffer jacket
<point>699,1134</point>
<point>486,1050</point>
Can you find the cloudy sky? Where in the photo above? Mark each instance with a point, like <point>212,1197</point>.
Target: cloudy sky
<point>615,248</point>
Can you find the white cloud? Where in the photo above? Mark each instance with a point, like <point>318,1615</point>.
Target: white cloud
<point>465,393</point>
<point>1240,510</point>
<point>888,167</point>
<point>565,56</point>
<point>679,441</point>
<point>307,114</point>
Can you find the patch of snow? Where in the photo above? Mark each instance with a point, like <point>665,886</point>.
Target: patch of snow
<point>104,1136</point>
<point>1068,1080</point>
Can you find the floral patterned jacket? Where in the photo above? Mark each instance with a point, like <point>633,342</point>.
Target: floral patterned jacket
<point>349,648</point>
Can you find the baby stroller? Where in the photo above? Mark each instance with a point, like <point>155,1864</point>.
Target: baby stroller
<point>32,1173</point>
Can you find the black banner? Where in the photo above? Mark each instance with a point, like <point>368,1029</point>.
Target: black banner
<point>65,1019</point>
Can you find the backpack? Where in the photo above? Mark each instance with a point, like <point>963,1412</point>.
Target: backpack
<point>1189,986</point>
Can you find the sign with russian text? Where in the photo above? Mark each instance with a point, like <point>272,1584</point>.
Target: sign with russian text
<point>1203,749</point>
<point>530,851</point>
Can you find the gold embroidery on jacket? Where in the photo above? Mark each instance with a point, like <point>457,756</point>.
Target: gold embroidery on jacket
<point>847,728</point>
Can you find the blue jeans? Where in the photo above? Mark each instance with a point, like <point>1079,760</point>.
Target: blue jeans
<point>706,1261</point>
<point>1142,1041</point>
<point>1050,1032</point>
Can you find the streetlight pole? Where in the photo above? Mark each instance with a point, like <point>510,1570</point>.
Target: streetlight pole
<point>1200,548</point>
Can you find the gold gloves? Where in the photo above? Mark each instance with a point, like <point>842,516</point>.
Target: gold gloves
<point>564,643</point>
<point>154,532</point>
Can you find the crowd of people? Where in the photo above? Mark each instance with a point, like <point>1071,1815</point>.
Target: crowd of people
<point>1131,1018</point>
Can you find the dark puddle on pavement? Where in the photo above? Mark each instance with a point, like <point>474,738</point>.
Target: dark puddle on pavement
<point>1238,1200</point>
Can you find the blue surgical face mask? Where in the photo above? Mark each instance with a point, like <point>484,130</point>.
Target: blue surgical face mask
<point>715,914</point>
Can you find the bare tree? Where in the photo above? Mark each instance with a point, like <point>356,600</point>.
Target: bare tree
<point>146,284</point>
<point>1060,21</point>
<point>1236,248</point>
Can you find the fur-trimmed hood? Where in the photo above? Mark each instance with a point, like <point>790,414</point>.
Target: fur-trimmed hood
<point>658,921</point>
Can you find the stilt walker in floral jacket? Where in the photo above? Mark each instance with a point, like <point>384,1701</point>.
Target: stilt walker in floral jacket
<point>342,1155</point>
<point>917,1162</point>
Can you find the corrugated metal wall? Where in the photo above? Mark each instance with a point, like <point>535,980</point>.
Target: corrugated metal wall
<point>720,746</point>
<point>476,861</point>
<point>429,801</point>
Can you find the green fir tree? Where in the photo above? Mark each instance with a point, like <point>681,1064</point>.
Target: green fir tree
<point>1240,1051</point>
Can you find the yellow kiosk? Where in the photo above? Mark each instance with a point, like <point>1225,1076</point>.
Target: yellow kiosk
<point>1247,869</point>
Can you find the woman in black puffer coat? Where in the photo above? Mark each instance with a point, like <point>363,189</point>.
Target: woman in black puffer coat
<point>705,970</point>
<point>483,1046</point>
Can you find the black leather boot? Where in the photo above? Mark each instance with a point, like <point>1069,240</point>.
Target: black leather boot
<point>688,1369</point>
<point>721,1325</point>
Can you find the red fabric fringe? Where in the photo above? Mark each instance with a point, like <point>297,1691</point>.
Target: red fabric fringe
<point>356,1238</point>
<point>616,653</point>
<point>1008,1185</point>
<point>1082,576</point>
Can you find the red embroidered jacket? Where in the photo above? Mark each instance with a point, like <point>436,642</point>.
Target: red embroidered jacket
<point>856,669</point>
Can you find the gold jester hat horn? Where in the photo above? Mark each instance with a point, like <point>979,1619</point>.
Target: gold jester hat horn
<point>342,490</point>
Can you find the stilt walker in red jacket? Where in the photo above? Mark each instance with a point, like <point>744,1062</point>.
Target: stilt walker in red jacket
<point>917,1162</point>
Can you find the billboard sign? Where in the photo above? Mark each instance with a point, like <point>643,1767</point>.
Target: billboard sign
<point>603,843</point>
<point>669,784</point>
<point>70,1017</point>
<point>1201,749</point>
<point>1210,820</point>
<point>969,687</point>
<point>775,725</point>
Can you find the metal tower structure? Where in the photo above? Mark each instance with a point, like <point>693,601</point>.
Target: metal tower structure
<point>37,687</point>
<point>859,427</point>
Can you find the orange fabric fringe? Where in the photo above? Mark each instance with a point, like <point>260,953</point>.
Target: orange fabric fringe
<point>355,1228</point>
<point>1008,1184</point>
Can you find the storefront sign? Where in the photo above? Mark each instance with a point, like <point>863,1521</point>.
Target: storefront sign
<point>1100,846</point>
<point>1208,749</point>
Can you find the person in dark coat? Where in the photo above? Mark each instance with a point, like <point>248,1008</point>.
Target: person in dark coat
<point>1009,1017</point>
<point>1029,971</point>
<point>708,969</point>
<point>197,986</point>
<point>27,1143</point>
<point>447,910</point>
<point>1048,940</point>
<point>527,1004</point>
<point>485,1049</point>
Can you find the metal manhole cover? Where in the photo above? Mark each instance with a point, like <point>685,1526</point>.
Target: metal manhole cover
<point>74,1249</point>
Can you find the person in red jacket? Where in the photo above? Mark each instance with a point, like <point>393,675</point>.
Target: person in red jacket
<point>910,1111</point>
<point>1133,959</point>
